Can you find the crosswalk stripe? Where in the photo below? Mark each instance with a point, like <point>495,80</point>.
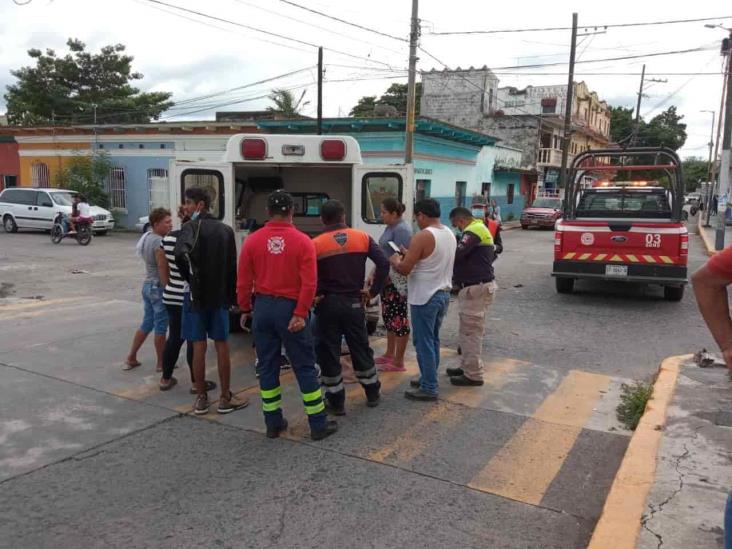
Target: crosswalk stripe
<point>410,444</point>
<point>525,467</point>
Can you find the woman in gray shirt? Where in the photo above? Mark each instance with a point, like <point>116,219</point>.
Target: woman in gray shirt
<point>394,296</point>
<point>156,277</point>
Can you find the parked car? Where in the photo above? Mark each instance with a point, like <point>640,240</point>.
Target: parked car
<point>143,224</point>
<point>22,208</point>
<point>544,212</point>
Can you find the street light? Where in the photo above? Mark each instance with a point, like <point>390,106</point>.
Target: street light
<point>710,176</point>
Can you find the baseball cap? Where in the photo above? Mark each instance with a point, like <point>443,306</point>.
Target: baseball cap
<point>279,201</point>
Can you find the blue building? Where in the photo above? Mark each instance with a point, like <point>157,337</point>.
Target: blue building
<point>455,166</point>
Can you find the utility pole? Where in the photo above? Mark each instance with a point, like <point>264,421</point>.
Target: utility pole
<point>320,90</point>
<point>568,107</point>
<point>725,165</point>
<point>637,108</point>
<point>411,84</point>
<point>710,172</point>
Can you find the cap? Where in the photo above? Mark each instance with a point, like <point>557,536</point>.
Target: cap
<point>279,201</point>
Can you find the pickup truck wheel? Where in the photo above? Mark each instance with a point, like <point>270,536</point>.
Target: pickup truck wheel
<point>673,293</point>
<point>564,285</point>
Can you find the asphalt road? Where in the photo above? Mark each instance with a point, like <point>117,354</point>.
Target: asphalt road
<point>96,457</point>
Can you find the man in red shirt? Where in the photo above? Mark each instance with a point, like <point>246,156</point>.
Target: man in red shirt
<point>278,261</point>
<point>710,287</point>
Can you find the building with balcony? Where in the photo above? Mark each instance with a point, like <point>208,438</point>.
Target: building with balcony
<point>529,119</point>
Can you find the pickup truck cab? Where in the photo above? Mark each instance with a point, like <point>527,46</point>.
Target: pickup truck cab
<point>624,229</point>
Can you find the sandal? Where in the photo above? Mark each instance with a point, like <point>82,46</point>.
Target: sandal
<point>391,367</point>
<point>131,365</point>
<point>169,385</point>
<point>384,360</point>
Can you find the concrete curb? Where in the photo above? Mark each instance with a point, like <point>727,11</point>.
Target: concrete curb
<point>710,251</point>
<point>620,521</point>
<point>510,225</point>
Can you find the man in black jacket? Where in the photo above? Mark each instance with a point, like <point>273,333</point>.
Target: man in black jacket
<point>205,253</point>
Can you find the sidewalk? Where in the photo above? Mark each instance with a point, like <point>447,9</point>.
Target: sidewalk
<point>671,489</point>
<point>708,234</point>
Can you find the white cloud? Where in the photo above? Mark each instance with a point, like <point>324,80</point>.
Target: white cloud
<point>192,59</point>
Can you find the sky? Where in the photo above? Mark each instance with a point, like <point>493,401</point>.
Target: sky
<point>195,56</point>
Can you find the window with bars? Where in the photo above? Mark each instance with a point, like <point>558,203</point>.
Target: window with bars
<point>158,188</point>
<point>39,175</point>
<point>117,189</point>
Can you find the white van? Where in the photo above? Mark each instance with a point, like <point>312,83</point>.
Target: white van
<point>312,168</point>
<point>29,208</point>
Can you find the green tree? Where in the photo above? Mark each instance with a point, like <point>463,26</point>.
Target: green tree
<point>68,89</point>
<point>695,170</point>
<point>88,176</point>
<point>664,130</point>
<point>365,107</point>
<point>286,104</point>
<point>395,95</point>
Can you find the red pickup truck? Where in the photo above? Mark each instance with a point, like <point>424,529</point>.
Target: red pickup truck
<point>627,226</point>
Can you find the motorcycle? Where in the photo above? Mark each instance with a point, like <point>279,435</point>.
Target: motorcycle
<point>83,233</point>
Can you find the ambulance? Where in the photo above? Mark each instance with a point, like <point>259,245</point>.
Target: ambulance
<point>627,226</point>
<point>312,168</point>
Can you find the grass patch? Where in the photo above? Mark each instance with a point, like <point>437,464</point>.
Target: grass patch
<point>633,400</point>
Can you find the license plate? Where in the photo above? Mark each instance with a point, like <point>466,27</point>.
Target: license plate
<point>616,270</point>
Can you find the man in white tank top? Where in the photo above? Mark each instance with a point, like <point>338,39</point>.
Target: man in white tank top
<point>428,263</point>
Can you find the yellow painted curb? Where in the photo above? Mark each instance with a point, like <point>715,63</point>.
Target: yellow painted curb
<point>703,234</point>
<point>620,521</point>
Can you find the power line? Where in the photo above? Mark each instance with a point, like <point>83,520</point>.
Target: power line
<point>255,29</point>
<point>356,25</point>
<point>331,31</point>
<point>617,25</point>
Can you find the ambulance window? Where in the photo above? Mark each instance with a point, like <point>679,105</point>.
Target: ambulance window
<point>376,187</point>
<point>212,182</point>
<point>309,204</point>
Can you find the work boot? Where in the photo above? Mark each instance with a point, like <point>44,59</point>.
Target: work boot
<point>419,394</point>
<point>333,409</point>
<point>463,381</point>
<point>274,432</point>
<point>452,372</point>
<point>416,382</point>
<point>330,428</point>
<point>373,401</point>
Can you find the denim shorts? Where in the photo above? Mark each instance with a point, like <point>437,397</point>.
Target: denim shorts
<point>156,315</point>
<point>206,324</point>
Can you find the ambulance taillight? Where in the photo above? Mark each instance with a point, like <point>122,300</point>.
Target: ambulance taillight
<point>254,149</point>
<point>332,149</point>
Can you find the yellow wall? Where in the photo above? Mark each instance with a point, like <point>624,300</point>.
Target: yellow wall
<point>55,163</point>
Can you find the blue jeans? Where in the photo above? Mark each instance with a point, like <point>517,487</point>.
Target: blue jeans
<point>426,322</point>
<point>269,326</point>
<point>728,523</point>
<point>156,315</point>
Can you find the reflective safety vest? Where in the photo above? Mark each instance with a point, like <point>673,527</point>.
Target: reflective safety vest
<point>478,228</point>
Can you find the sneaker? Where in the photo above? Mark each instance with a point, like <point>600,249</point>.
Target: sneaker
<point>210,386</point>
<point>167,385</point>
<point>330,428</point>
<point>201,405</point>
<point>274,432</point>
<point>463,381</point>
<point>416,383</point>
<point>419,394</point>
<point>452,372</point>
<point>334,410</point>
<point>231,404</point>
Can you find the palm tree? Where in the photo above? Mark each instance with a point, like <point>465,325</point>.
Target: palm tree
<point>285,103</point>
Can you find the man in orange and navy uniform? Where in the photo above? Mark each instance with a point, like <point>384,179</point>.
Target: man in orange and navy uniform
<point>342,253</point>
